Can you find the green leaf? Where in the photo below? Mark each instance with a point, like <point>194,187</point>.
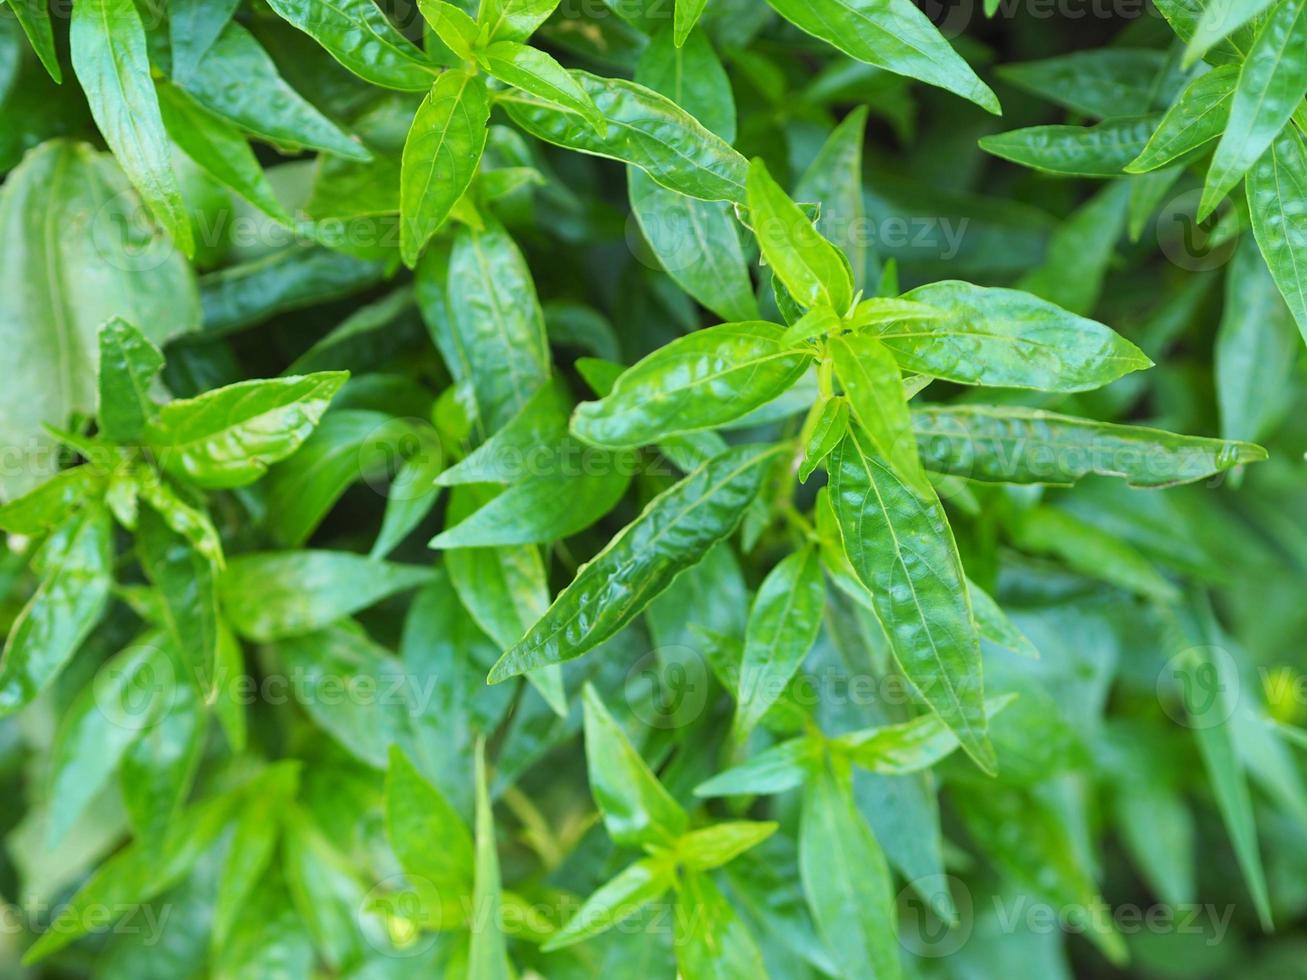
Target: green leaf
<point>893,35</point>
<point>228,437</point>
<point>538,74</point>
<point>835,179</point>
<point>645,881</point>
<point>427,834</point>
<point>646,130</point>
<point>831,425</point>
<point>219,149</point>
<point>49,316</point>
<point>497,322</point>
<point>901,548</point>
<point>783,625</point>
<point>34,17</point>
<point>273,594</point>
<point>253,843</point>
<point>846,882</point>
<point>637,810</point>
<point>711,938</point>
<point>696,382</point>
<point>1100,82</point>
<point>812,269</point>
<point>110,58</point>
<point>1220,19</point>
<point>1271,87</point>
<point>995,444</point>
<point>186,581</point>
<point>52,502</point>
<point>874,390</point>
<point>674,531</point>
<point>711,847</point>
<point>897,750</point>
<point>455,28</point>
<point>1277,180</point>
<point>263,104</point>
<point>75,569</point>
<point>487,958</point>
<point>193,28</point>
<point>1007,338</point>
<point>160,766</point>
<point>357,34</point>
<point>1197,116</point>
<point>124,699</point>
<point>1081,251</point>
<point>129,363</point>
<point>1075,151</point>
<point>686,16</point>
<point>441,155</point>
<point>780,768</point>
<point>514,20</point>
<point>994,625</point>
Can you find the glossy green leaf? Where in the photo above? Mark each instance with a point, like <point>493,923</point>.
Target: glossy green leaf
<point>1197,116</point>
<point>686,16</point>
<point>775,770</point>
<point>159,768</point>
<point>874,390</point>
<point>52,502</point>
<point>1220,19</point>
<point>193,28</point>
<point>427,834</point>
<point>357,34</point>
<point>895,36</point>
<point>1272,84</point>
<point>831,425</point>
<point>646,130</point>
<point>229,436</point>
<point>712,939</point>
<point>835,179</point>
<point>846,882</point>
<point>644,881</point>
<point>918,589</point>
<point>1075,151</point>
<point>514,20</point>
<point>129,364</point>
<point>812,269</point>
<point>34,17</point>
<point>1008,338</point>
<point>1102,82</point>
<point>1277,180</point>
<point>538,74</point>
<point>273,594</point>
<point>783,625</point>
<point>897,750</point>
<point>637,810</point>
<point>75,567</point>
<point>441,156</point>
<point>487,957</point>
<point>109,56</point>
<point>1022,445</point>
<point>674,531</point>
<point>721,843</point>
<point>700,381</point>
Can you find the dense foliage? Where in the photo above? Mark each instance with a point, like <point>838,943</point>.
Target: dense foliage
<point>639,488</point>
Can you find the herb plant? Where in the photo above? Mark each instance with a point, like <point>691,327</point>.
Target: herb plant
<point>652,488</point>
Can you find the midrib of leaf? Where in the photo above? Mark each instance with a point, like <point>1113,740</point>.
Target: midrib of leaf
<point>752,365</point>
<point>444,135</point>
<point>493,294</point>
<point>368,26</point>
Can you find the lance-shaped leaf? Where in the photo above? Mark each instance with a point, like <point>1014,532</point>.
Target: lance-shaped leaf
<point>536,73</point>
<point>1025,837</point>
<point>1272,83</point>
<point>687,15</point>
<point>674,531</point>
<point>1098,82</point>
<point>441,156</point>
<point>1075,151</point>
<point>783,625</point>
<point>129,363</point>
<point>827,431</point>
<point>1008,338</point>
<point>52,502</point>
<point>698,381</point>
<point>514,20</point>
<point>1219,19</point>
<point>110,58</point>
<point>711,847</point>
<point>1010,444</point>
<point>186,582</point>
<point>34,17</point>
<point>994,625</point>
<point>646,130</point>
<point>1275,183</point>
<point>497,322</point>
<point>357,34</point>
<point>426,833</point>
<point>488,951</point>
<point>228,437</point>
<point>893,35</point>
<point>637,810</point>
<point>814,271</point>
<point>75,567</point>
<point>647,880</point>
<point>901,547</point>
<point>779,768</point>
<point>542,420</point>
<point>711,938</point>
<point>897,750</point>
<point>193,28</point>
<point>159,768</point>
<point>835,179</point>
<point>1198,115</point>
<point>284,593</point>
<point>847,882</point>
